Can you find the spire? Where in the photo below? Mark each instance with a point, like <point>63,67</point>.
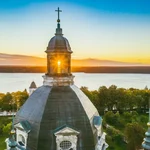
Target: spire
<point>12,142</point>
<point>146,143</point>
<point>58,29</point>
<point>33,85</point>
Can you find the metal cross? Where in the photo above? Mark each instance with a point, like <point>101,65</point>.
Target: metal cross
<point>58,12</point>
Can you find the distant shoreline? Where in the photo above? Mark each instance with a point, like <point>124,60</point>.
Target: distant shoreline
<point>101,69</point>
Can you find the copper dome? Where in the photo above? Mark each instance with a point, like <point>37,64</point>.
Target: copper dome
<point>58,43</point>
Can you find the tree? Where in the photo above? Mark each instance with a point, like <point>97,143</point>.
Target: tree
<point>109,117</point>
<point>103,98</point>
<point>134,134</point>
<point>116,135</point>
<point>6,102</point>
<point>86,92</point>
<point>3,122</point>
<point>121,101</point>
<point>1,99</point>
<point>19,98</point>
<point>7,128</point>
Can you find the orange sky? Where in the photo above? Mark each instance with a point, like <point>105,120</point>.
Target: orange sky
<point>92,33</point>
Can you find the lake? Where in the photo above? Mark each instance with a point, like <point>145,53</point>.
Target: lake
<point>11,82</point>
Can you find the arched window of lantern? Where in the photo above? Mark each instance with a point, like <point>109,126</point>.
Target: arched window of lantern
<point>59,66</point>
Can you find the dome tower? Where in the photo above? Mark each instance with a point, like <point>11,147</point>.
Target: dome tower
<point>58,115</point>
<point>58,59</point>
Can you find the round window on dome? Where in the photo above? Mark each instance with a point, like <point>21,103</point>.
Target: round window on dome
<point>65,145</point>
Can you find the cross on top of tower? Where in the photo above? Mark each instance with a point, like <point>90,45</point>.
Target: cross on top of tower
<point>58,10</point>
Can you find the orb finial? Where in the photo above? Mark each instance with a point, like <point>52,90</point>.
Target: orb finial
<point>58,29</point>
<point>58,10</point>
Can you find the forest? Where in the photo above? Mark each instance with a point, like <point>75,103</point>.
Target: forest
<point>119,99</point>
<point>124,113</point>
<point>86,69</point>
<point>10,102</point>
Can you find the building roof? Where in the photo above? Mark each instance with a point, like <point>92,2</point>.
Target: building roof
<point>50,108</point>
<point>32,85</point>
<point>25,125</point>
<point>58,43</point>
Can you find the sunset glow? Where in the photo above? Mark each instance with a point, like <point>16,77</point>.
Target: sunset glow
<point>59,62</point>
<point>105,30</point>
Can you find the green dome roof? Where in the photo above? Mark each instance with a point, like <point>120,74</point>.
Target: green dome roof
<point>50,108</point>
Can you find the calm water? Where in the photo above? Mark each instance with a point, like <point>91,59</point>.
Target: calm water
<point>10,82</point>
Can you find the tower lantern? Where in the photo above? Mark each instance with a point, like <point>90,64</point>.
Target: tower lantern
<point>58,59</point>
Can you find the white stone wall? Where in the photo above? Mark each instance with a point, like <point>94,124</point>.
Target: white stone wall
<point>67,134</point>
<point>71,138</point>
<point>58,81</point>
<point>31,90</point>
<point>22,133</point>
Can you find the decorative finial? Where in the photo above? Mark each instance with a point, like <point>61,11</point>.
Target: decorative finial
<point>58,10</point>
<point>12,142</point>
<point>58,30</point>
<point>146,142</point>
<point>12,132</point>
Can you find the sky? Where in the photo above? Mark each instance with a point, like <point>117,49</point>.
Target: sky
<point>116,30</point>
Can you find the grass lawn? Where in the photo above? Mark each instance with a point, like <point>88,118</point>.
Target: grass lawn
<point>2,142</point>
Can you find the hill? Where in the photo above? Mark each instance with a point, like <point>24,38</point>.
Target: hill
<point>23,60</point>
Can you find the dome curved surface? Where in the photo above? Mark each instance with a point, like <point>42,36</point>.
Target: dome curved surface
<point>59,43</point>
<point>49,108</point>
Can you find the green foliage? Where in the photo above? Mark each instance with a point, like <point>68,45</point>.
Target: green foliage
<point>133,124</point>
<point>7,128</point>
<point>6,102</point>
<point>3,122</point>
<point>114,138</point>
<point>114,132</point>
<point>134,134</point>
<point>114,119</point>
<point>118,99</point>
<point>109,117</point>
<point>143,119</point>
<point>2,142</point>
<point>130,117</point>
<point>12,101</point>
<point>122,109</point>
